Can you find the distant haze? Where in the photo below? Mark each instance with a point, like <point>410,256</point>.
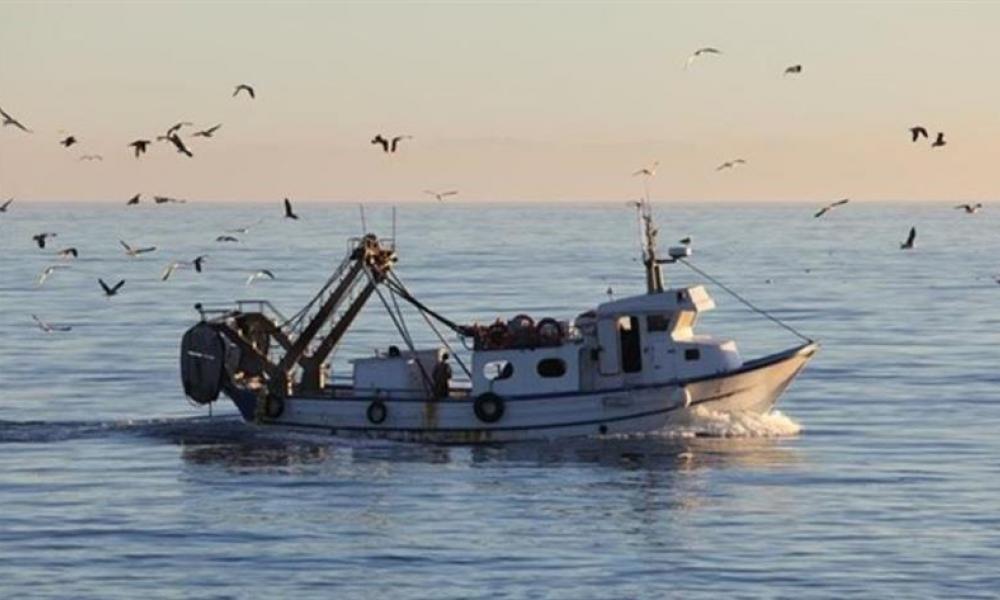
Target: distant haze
<point>550,102</point>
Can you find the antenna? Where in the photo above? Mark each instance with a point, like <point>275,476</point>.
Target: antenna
<point>394,227</point>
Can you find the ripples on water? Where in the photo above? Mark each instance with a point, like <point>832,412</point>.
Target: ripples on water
<point>113,486</point>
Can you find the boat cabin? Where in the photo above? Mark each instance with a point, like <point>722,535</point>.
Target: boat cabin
<point>639,340</point>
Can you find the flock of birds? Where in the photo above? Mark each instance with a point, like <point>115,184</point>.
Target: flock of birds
<point>389,144</point>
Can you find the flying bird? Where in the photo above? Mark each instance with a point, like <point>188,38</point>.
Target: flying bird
<point>140,146</point>
<point>41,237</point>
<point>174,129</point>
<point>916,132</point>
<point>971,208</point>
<point>649,171</point>
<point>197,262</point>
<point>939,141</point>
<point>699,52</point>
<point>793,70</point>
<point>260,275</point>
<point>389,145</point>
<point>181,148</point>
<point>68,253</point>
<point>207,132</point>
<point>133,200</point>
<point>68,141</point>
<point>441,195</point>
<point>3,207</point>
<point>226,238</point>
<point>244,88</point>
<point>49,328</point>
<point>729,164</point>
<point>111,291</point>
<point>91,157</point>
<point>167,272</point>
<point>288,210</point>
<point>9,120</point>
<point>830,207</point>
<point>686,241</point>
<point>135,252</point>
<point>910,240</point>
<point>167,199</point>
<point>49,270</point>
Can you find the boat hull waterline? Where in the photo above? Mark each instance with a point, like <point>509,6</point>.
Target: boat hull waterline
<point>753,389</point>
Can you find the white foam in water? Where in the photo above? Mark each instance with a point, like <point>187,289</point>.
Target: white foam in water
<point>703,421</point>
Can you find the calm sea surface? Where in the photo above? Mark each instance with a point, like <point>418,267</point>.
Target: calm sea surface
<point>879,478</point>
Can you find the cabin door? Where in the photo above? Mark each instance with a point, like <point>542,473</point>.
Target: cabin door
<point>609,361</point>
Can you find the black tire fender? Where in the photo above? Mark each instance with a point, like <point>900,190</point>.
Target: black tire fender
<point>377,412</point>
<point>489,407</point>
<point>273,406</point>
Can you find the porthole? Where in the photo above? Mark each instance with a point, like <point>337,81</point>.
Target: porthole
<point>551,367</point>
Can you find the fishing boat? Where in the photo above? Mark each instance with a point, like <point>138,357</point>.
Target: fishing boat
<point>628,366</point>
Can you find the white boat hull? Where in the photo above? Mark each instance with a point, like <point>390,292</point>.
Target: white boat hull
<point>754,388</point>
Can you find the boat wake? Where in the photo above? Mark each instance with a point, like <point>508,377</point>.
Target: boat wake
<point>191,429</point>
<point>703,422</point>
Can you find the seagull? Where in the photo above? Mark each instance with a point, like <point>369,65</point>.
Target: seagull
<point>167,272</point>
<point>649,171</point>
<point>698,53</point>
<point>197,262</point>
<point>207,132</point>
<point>135,252</point>
<point>226,238</point>
<point>68,253</point>
<point>939,141</point>
<point>133,200</point>
<point>69,141</point>
<point>729,164</point>
<point>49,270</point>
<point>389,145</point>
<point>260,275</point>
<point>441,195</point>
<point>916,132</point>
<point>686,241</point>
<point>830,207</point>
<point>244,87</point>
<point>910,239</point>
<point>9,120</point>
<point>971,208</point>
<point>91,157</point>
<point>288,210</point>
<point>181,148</point>
<point>140,146</point>
<point>48,328</point>
<point>166,199</point>
<point>793,70</point>
<point>41,237</point>
<point>111,291</point>
<point>3,207</point>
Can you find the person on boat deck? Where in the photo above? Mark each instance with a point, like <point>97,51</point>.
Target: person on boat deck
<point>441,377</point>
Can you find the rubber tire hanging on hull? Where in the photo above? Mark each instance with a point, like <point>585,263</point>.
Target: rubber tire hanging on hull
<point>489,407</point>
<point>377,412</point>
<point>203,357</point>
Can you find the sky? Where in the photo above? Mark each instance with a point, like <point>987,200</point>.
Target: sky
<point>506,102</point>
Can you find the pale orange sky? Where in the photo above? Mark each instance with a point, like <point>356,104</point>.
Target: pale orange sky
<point>506,102</point>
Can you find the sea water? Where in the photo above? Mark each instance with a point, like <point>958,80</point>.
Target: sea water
<point>879,477</point>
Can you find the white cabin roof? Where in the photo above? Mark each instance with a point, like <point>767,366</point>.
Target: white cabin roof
<point>694,298</point>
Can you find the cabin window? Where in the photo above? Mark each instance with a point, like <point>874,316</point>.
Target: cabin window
<point>498,369</point>
<point>551,367</point>
<point>628,333</point>
<point>692,354</point>
<point>658,322</point>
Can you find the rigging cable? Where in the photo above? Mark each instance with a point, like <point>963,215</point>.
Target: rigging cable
<point>746,302</point>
